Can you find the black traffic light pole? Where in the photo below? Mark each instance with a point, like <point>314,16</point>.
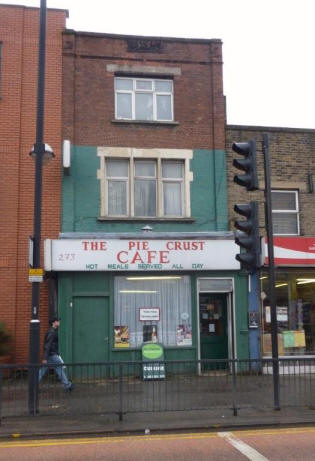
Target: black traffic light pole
<point>250,241</point>
<point>249,238</point>
<point>271,269</point>
<point>39,150</point>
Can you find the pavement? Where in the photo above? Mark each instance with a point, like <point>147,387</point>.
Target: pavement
<point>155,406</point>
<point>144,423</point>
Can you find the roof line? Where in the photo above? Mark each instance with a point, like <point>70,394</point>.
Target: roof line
<point>144,37</point>
<point>269,128</point>
<point>34,8</point>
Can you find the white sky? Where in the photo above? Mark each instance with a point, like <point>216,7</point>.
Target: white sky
<point>268,47</point>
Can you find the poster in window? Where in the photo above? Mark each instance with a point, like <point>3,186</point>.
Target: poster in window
<point>299,338</point>
<point>184,335</point>
<point>282,313</point>
<point>288,339</point>
<point>150,333</point>
<point>268,314</point>
<point>121,334</point>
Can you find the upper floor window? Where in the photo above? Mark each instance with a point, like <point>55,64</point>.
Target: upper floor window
<point>145,183</point>
<point>140,186</point>
<point>143,99</point>
<point>285,212</point>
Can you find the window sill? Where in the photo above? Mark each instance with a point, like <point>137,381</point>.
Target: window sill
<point>135,219</point>
<point>132,349</point>
<point>145,122</point>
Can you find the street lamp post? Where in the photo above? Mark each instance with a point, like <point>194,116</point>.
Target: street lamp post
<point>39,151</point>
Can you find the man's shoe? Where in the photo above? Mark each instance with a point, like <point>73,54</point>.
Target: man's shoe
<point>70,388</point>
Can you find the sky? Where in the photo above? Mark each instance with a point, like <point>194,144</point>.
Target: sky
<point>268,47</point>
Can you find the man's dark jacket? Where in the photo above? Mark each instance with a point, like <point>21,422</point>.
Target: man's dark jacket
<point>51,342</point>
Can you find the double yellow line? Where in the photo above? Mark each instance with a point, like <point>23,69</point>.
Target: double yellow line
<point>157,437</point>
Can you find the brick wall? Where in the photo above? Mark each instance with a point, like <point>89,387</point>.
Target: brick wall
<point>292,161</point>
<point>88,90</point>
<point>19,30</point>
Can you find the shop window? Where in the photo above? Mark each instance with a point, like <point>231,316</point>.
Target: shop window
<point>152,309</point>
<point>295,301</point>
<point>143,99</point>
<point>285,212</point>
<point>145,187</point>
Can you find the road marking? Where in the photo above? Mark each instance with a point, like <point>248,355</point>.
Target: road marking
<point>91,440</point>
<point>188,436</point>
<point>275,431</point>
<point>241,446</point>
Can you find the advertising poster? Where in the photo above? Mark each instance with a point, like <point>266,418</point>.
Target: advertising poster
<point>184,335</point>
<point>121,334</point>
<point>149,333</point>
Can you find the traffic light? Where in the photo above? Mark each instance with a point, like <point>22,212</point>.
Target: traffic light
<point>248,238</point>
<point>247,164</point>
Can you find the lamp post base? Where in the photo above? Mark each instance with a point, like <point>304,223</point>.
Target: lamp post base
<point>33,367</point>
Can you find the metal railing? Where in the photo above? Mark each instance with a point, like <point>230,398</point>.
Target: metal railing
<point>125,387</point>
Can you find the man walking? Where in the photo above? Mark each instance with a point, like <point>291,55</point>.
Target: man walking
<point>52,357</point>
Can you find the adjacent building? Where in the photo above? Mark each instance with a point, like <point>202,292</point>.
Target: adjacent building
<point>19,32</point>
<point>293,210</point>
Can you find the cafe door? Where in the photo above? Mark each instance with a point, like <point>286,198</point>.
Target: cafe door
<point>213,320</point>
<point>90,329</point>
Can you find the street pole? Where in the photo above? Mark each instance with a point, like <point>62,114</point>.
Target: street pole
<point>271,269</point>
<point>39,150</point>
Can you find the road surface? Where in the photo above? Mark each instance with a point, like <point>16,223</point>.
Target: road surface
<point>287,444</point>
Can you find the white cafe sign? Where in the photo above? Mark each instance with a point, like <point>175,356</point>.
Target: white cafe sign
<point>139,255</point>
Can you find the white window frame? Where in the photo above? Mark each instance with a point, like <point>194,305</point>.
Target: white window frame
<point>295,212</point>
<point>152,91</point>
<point>118,178</point>
<point>158,155</point>
<point>146,178</point>
<point>173,180</point>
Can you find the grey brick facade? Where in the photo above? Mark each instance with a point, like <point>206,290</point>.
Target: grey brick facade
<point>292,155</point>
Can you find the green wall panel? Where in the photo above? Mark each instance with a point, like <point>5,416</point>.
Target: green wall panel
<point>80,212</point>
<point>72,286</point>
<point>220,190</point>
<point>81,196</point>
<point>65,298</point>
<point>208,190</point>
<point>89,282</point>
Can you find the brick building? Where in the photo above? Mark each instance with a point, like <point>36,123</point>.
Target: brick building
<point>293,210</point>
<point>19,31</point>
<point>145,253</point>
<point>149,192</point>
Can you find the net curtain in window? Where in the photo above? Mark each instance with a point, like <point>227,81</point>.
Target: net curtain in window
<point>171,295</point>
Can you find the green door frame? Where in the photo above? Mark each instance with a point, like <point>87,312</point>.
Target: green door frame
<point>232,352</point>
